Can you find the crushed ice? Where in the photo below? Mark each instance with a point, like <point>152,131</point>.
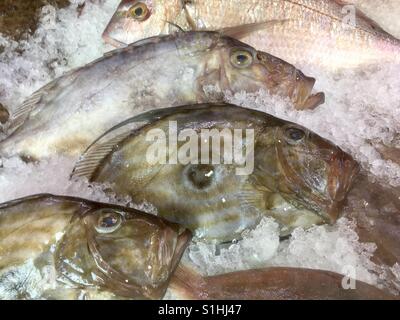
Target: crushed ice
<point>362,110</point>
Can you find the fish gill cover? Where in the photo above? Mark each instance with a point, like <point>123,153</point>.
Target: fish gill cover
<point>362,112</point>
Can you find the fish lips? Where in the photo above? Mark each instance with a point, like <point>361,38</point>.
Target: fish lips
<point>304,99</point>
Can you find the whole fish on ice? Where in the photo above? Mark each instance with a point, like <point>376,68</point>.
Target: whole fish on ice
<point>292,174</point>
<point>326,33</point>
<point>67,114</point>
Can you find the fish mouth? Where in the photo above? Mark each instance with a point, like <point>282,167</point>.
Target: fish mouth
<point>342,171</point>
<point>107,38</point>
<point>291,82</point>
<point>304,99</point>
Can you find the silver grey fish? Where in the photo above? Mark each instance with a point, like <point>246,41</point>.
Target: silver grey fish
<point>67,114</point>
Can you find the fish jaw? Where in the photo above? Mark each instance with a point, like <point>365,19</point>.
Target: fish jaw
<point>303,97</point>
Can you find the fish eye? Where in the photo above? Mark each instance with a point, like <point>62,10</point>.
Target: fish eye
<point>241,58</point>
<point>294,135</point>
<point>108,222</point>
<point>139,11</point>
<point>200,176</point>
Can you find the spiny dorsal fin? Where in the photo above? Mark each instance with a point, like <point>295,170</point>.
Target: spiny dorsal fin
<point>92,158</point>
<point>21,113</point>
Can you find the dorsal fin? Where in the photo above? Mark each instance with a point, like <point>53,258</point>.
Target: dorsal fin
<point>102,147</point>
<point>241,31</point>
<point>105,144</point>
<point>21,113</point>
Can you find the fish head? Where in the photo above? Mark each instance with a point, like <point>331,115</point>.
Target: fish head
<point>121,250</point>
<point>135,251</point>
<point>314,172</point>
<point>285,80</point>
<point>251,70</point>
<point>139,19</point>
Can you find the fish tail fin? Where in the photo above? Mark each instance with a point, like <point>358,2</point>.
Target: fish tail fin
<point>188,284</point>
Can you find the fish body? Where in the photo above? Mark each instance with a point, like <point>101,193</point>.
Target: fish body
<point>376,211</point>
<point>66,115</point>
<point>275,283</point>
<point>326,33</point>
<point>290,174</point>
<point>54,247</point>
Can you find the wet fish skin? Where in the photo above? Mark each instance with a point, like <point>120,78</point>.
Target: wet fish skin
<point>66,115</point>
<point>274,283</point>
<point>306,32</point>
<point>376,210</point>
<point>56,247</point>
<point>299,183</point>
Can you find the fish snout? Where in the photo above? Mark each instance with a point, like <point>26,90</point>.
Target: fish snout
<point>343,170</point>
<point>304,98</point>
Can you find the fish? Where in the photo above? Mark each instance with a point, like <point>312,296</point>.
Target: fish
<point>375,208</point>
<point>273,283</point>
<point>67,114</point>
<point>386,15</point>
<point>66,248</point>
<point>328,34</point>
<point>58,247</point>
<point>288,173</point>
